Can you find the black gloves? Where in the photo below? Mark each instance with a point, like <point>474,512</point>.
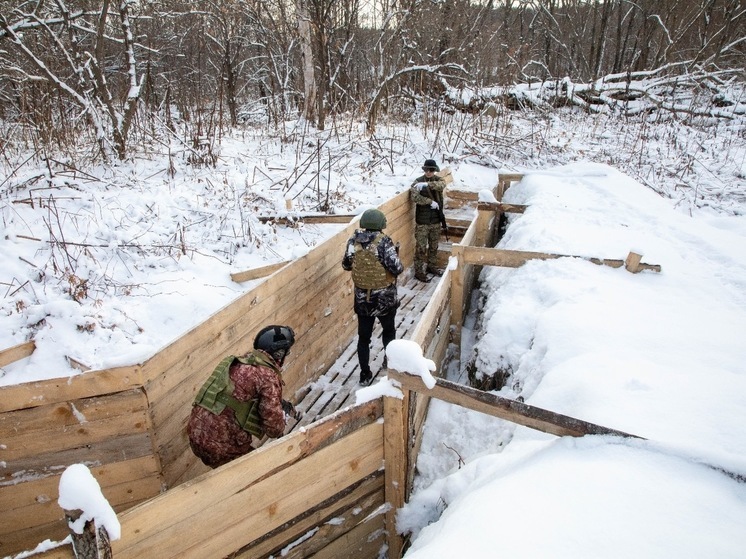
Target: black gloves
<point>290,410</point>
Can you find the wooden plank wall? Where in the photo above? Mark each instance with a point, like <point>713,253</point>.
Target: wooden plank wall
<point>128,424</point>
<point>313,294</point>
<point>433,334</point>
<point>110,433</point>
<point>440,326</point>
<point>479,234</point>
<point>316,491</point>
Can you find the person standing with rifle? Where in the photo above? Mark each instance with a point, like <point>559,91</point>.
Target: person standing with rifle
<point>427,194</point>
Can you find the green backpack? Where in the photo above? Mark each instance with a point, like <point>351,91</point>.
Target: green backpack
<point>217,393</point>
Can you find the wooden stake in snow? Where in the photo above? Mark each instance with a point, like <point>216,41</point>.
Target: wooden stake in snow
<point>632,263</point>
<point>92,543</point>
<point>89,515</point>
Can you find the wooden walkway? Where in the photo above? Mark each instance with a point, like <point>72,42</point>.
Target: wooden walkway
<point>336,388</point>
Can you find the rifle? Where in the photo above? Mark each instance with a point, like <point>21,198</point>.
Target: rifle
<point>443,222</point>
<point>441,215</point>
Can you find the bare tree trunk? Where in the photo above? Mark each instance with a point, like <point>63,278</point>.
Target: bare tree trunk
<point>309,74</point>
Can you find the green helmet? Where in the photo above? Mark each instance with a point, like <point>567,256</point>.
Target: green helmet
<point>373,219</point>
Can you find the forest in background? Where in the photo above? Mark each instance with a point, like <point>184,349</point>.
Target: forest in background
<point>112,77</point>
<point>140,140</point>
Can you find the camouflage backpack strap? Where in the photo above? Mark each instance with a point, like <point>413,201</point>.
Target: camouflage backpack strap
<point>217,393</point>
<point>367,270</point>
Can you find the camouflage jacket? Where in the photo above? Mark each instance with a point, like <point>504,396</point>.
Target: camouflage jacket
<point>375,302</point>
<point>218,439</point>
<point>424,214</point>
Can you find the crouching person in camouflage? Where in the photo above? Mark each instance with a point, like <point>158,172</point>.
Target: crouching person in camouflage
<point>242,397</point>
<point>374,262</point>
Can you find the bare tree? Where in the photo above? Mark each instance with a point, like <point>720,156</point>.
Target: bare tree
<point>205,61</point>
<point>88,56</point>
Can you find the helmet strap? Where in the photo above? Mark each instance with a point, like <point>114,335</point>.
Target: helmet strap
<point>279,356</point>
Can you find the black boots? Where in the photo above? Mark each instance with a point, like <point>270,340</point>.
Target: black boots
<point>366,377</point>
<point>421,274</point>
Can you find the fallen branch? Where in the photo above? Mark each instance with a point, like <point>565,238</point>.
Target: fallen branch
<point>319,218</point>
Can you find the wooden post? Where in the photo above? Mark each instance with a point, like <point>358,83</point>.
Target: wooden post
<point>484,221</point>
<point>457,293</point>
<point>500,188</point>
<point>92,543</point>
<point>503,183</point>
<point>632,263</point>
<point>395,458</point>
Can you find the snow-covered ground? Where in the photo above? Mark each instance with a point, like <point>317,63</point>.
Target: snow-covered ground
<point>657,355</point>
<point>106,265</point>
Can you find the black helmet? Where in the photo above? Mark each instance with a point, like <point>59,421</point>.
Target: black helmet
<point>373,219</point>
<point>274,338</point>
<point>430,164</point>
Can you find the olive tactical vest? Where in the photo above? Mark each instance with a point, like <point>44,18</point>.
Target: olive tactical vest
<point>367,270</point>
<point>217,393</point>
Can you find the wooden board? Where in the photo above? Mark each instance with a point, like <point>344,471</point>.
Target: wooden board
<point>80,423</point>
<point>180,504</point>
<point>308,218</point>
<point>504,181</point>
<point>16,353</point>
<point>123,484</point>
<point>516,258</point>
<point>320,525</point>
<point>396,457</point>
<point>365,541</point>
<point>92,383</point>
<point>29,513</point>
<point>505,408</point>
<point>344,462</point>
<point>258,272</point>
<point>501,207</point>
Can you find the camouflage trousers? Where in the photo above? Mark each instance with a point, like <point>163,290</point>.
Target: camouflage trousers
<point>426,239</point>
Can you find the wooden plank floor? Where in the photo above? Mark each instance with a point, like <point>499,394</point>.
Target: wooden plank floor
<point>336,388</point>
